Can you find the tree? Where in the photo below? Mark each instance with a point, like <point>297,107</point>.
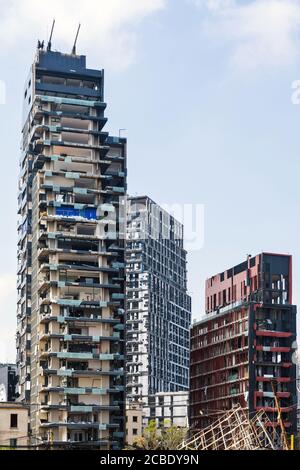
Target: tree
<point>165,437</point>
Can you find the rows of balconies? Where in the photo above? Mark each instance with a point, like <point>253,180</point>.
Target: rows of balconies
<point>69,354</point>
<point>22,200</point>
<point>81,390</point>
<point>23,329</point>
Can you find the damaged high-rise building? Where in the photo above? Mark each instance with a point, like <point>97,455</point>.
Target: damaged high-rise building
<point>70,258</point>
<point>158,312</point>
<point>242,352</point>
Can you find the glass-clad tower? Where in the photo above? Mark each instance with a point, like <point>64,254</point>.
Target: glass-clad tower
<point>70,258</point>
<point>158,314</point>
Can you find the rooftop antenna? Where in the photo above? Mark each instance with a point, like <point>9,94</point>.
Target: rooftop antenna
<point>75,42</point>
<point>50,39</point>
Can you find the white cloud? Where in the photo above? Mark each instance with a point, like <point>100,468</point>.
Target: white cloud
<point>109,27</point>
<point>261,33</point>
<point>7,317</point>
<point>215,4</point>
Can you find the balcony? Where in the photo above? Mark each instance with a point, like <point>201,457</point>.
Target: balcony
<point>76,372</point>
<point>64,89</point>
<point>45,285</point>
<point>82,390</point>
<point>89,267</point>
<point>78,425</point>
<point>80,338</point>
<point>273,333</point>
<point>81,355</point>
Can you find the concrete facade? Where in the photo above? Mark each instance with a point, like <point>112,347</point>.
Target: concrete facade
<point>171,409</point>
<point>71,258</point>
<point>134,422</point>
<point>14,421</point>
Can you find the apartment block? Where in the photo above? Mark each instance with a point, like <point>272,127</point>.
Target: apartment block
<point>158,307</point>
<point>71,267</point>
<point>242,352</point>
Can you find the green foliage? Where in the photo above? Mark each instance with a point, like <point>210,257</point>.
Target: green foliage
<point>165,437</point>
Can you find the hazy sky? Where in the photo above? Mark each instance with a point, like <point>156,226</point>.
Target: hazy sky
<point>204,90</point>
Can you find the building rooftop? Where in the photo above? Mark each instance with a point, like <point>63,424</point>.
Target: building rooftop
<point>13,404</point>
<point>243,266</point>
<point>56,61</point>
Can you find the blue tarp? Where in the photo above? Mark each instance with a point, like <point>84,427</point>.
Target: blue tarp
<point>69,211</point>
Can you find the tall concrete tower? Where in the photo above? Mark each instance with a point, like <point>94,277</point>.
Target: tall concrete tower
<point>70,258</point>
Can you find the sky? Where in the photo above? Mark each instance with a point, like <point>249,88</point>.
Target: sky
<point>204,89</point>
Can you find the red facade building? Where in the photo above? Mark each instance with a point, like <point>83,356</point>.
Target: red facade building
<point>243,349</point>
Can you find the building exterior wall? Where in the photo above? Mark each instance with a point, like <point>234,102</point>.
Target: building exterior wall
<point>253,279</point>
<point>171,409</point>
<point>298,399</point>
<point>158,308</point>
<point>134,422</point>
<point>8,382</point>
<point>13,433</point>
<point>239,349</point>
<point>71,258</point>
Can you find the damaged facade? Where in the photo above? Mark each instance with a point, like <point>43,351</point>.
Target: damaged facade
<point>158,306</point>
<point>70,258</point>
<point>242,352</point>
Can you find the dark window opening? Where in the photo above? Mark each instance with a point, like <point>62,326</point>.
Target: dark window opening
<point>13,421</point>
